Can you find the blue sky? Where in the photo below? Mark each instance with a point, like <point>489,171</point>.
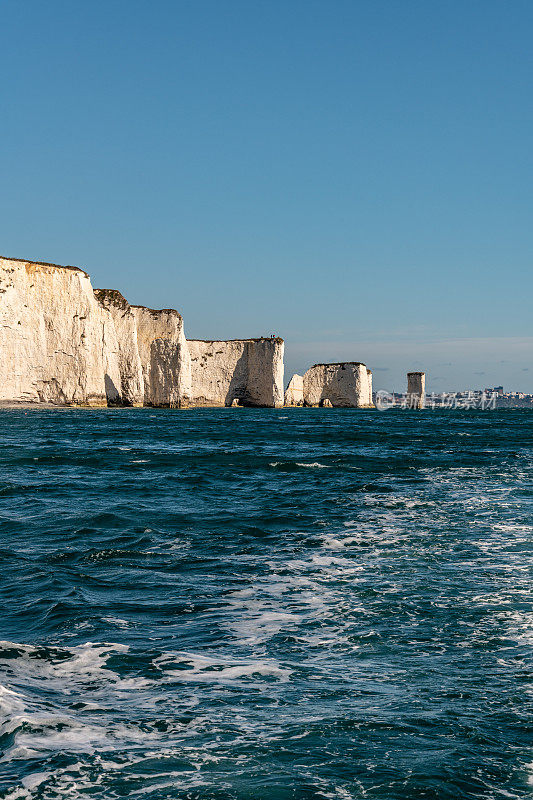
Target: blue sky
<point>353,176</point>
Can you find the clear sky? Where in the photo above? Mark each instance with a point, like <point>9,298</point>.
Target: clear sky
<point>353,176</point>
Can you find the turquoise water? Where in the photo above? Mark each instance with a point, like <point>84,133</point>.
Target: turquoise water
<point>236,603</point>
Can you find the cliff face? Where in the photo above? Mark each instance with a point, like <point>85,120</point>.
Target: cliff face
<point>164,356</point>
<point>345,385</point>
<point>128,390</point>
<point>54,334</point>
<point>64,343</point>
<point>247,370</point>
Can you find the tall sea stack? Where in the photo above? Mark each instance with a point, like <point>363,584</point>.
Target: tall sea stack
<point>416,389</point>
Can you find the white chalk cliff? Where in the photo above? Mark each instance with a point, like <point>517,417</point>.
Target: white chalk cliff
<point>129,389</point>
<point>66,344</point>
<point>56,338</point>
<point>164,357</point>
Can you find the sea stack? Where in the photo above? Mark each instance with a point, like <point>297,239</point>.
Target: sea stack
<point>344,385</point>
<point>247,370</point>
<point>416,389</point>
<point>294,394</point>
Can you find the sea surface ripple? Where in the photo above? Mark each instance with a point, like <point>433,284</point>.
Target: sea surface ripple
<point>244,604</point>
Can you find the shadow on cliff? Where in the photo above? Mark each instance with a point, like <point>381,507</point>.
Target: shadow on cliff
<point>111,392</point>
<point>238,386</point>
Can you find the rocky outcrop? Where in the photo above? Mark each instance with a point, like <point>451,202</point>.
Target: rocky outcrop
<point>344,385</point>
<point>294,394</point>
<point>54,335</point>
<point>164,357</point>
<point>247,370</point>
<point>128,390</point>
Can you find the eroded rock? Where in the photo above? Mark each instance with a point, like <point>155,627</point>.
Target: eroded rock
<point>344,385</point>
<point>247,370</point>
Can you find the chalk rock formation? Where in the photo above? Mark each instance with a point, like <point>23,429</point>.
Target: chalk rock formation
<point>326,403</point>
<point>164,356</point>
<point>129,390</point>
<point>247,370</point>
<point>345,385</point>
<point>294,394</point>
<point>264,386</point>
<point>416,389</point>
<point>54,334</point>
<point>64,343</point>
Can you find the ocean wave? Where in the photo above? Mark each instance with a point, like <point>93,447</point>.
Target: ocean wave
<point>304,609</point>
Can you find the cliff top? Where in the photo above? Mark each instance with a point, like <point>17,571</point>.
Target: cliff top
<point>118,299</point>
<point>111,295</point>
<point>158,310</point>
<point>276,339</point>
<point>340,364</point>
<point>44,264</point>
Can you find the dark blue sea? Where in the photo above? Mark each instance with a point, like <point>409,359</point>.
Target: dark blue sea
<point>239,604</point>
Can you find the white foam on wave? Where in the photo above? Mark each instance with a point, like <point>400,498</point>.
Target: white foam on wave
<point>519,625</point>
<point>512,527</point>
<point>121,623</point>
<point>17,794</point>
<point>206,669</point>
<point>307,464</point>
<point>297,595</point>
<point>34,780</point>
<point>77,674</point>
<point>275,604</point>
<point>12,708</point>
<point>257,624</point>
<point>83,663</point>
<point>334,543</point>
<point>92,711</point>
<point>87,711</point>
<point>56,733</point>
